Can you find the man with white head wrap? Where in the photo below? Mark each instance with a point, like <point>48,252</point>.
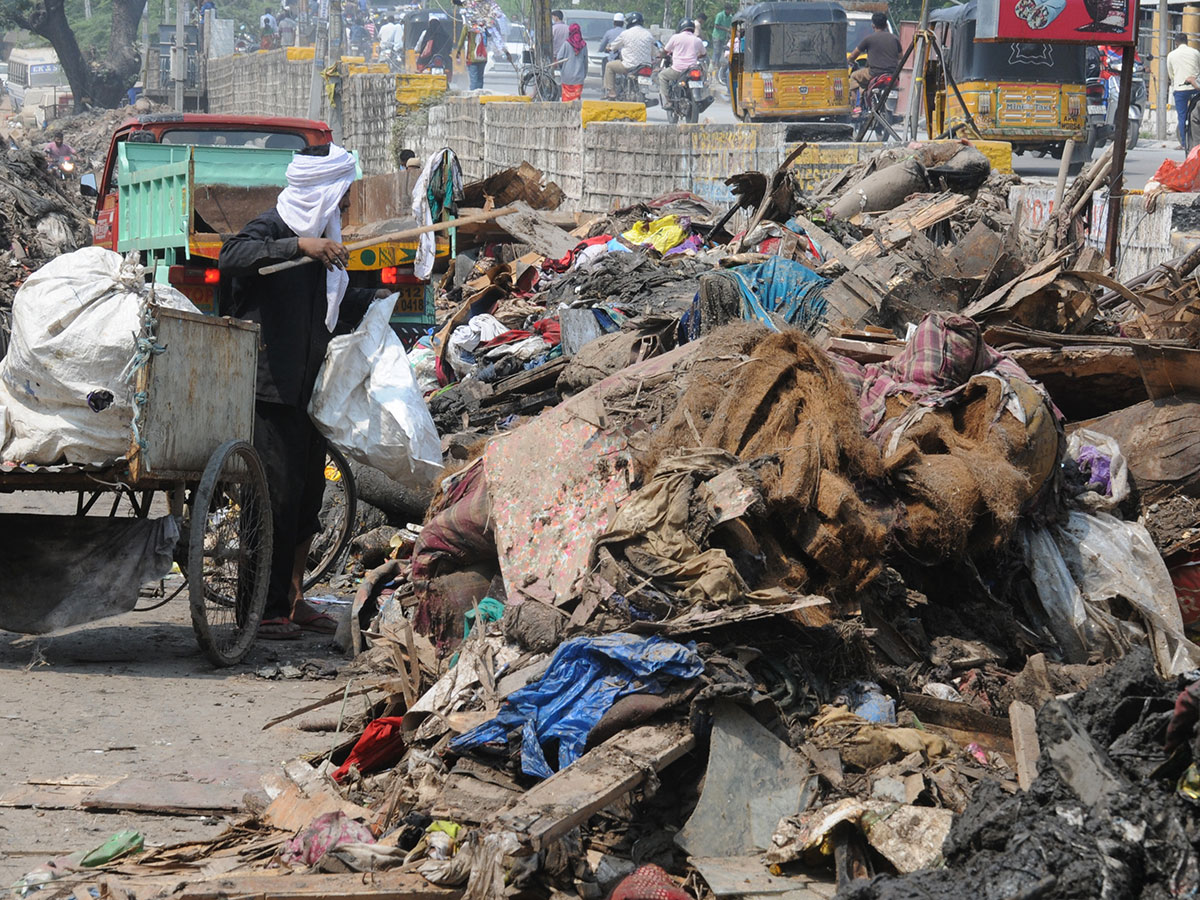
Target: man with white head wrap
<point>298,310</point>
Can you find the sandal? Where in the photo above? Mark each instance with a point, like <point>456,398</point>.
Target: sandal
<point>280,629</point>
<point>321,623</point>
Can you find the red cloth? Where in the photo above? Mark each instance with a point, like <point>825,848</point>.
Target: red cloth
<point>1186,578</point>
<point>571,92</point>
<point>381,744</point>
<point>1183,722</point>
<point>649,883</point>
<point>550,330</point>
<point>561,265</point>
<point>1184,176</point>
<point>575,39</point>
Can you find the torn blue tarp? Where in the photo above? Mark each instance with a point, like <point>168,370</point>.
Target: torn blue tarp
<point>585,678</point>
<point>781,292</point>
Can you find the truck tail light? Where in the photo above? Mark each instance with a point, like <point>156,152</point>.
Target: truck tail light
<point>984,104</point>
<point>193,275</point>
<point>769,87</point>
<point>839,90</point>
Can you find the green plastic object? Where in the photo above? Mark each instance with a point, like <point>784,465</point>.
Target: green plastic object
<point>118,845</point>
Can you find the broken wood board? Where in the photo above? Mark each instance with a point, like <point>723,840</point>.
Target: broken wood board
<point>1025,742</point>
<point>67,792</point>
<point>301,794</point>
<point>896,227</point>
<point>288,886</point>
<point>531,227</point>
<point>474,793</point>
<point>748,876</point>
<point>865,351</point>
<point>799,609</point>
<point>962,722</point>
<point>539,378</point>
<point>570,797</point>
<point>1085,381</point>
<point>1167,371</point>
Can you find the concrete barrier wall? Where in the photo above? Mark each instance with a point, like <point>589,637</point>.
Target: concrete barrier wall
<point>256,84</point>
<point>369,109</point>
<point>545,135</point>
<point>1146,237</point>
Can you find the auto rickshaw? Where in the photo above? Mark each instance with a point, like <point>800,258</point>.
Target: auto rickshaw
<point>787,62</point>
<point>1032,95</point>
<point>419,26</point>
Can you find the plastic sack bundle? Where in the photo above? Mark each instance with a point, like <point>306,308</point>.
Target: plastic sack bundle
<point>368,405</point>
<point>586,676</point>
<point>1099,457</point>
<point>63,394</point>
<point>1087,560</point>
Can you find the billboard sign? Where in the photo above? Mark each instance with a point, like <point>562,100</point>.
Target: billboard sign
<point>1057,21</point>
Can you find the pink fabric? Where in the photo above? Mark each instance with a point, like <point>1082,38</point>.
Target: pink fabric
<point>685,49</point>
<point>325,833</point>
<point>575,38</point>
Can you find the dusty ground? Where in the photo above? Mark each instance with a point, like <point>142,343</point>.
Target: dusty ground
<point>134,695</point>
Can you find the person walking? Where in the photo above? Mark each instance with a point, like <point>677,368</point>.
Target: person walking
<point>558,32</point>
<point>636,46</point>
<point>297,312</point>
<point>573,57</point>
<point>722,28</point>
<point>1183,71</point>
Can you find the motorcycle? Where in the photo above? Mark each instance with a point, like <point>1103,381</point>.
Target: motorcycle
<point>636,87</point>
<point>1103,94</point>
<point>62,166</point>
<point>867,107</point>
<point>689,96</point>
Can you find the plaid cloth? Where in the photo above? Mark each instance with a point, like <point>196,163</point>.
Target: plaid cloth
<point>946,351</point>
<point>460,533</point>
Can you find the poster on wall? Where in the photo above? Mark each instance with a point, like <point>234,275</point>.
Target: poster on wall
<point>1057,21</point>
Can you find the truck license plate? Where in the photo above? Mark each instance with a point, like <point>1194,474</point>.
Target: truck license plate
<point>411,299</point>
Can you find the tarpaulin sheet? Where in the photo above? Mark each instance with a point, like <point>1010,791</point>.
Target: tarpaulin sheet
<point>586,676</point>
<point>781,291</point>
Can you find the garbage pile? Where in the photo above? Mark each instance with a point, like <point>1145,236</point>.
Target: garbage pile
<point>768,540</point>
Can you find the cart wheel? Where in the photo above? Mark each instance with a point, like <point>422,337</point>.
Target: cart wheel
<point>337,519</point>
<point>229,552</point>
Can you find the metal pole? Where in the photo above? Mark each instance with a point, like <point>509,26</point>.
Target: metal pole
<point>321,45</point>
<point>917,91</point>
<point>1118,158</point>
<point>337,27</point>
<point>1164,88</point>
<point>179,58</point>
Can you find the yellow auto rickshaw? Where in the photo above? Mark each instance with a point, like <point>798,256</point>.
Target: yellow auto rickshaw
<point>1032,95</point>
<point>787,62</point>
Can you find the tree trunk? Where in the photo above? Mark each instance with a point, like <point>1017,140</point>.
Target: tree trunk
<point>122,42</point>
<point>49,19</point>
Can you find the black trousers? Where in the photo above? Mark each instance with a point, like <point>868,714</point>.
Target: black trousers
<point>293,454</point>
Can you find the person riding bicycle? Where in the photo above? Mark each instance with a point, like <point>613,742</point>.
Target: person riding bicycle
<point>636,45</point>
<point>685,49</point>
<point>883,52</point>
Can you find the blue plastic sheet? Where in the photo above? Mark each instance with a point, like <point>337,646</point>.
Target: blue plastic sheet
<point>586,676</point>
<point>781,290</point>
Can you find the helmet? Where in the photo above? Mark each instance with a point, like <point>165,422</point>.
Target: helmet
<point>634,19</point>
<point>687,25</point>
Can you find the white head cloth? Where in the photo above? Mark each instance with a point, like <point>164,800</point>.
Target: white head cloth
<point>309,206</point>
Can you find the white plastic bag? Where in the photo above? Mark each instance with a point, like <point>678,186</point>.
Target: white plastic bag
<point>1118,470</point>
<point>1081,564</point>
<point>368,405</point>
<point>74,329</point>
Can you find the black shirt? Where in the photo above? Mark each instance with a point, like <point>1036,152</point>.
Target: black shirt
<point>883,52</point>
<point>289,306</point>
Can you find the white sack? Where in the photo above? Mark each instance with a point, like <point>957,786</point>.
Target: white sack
<point>368,405</point>
<point>74,328</point>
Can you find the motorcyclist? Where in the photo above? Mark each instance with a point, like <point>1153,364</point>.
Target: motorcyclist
<point>387,34</point>
<point>685,49</point>
<point>609,36</point>
<point>636,45</point>
<point>883,52</point>
<point>57,150</point>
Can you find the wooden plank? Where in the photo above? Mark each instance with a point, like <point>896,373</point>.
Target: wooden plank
<point>894,233</point>
<point>933,711</point>
<point>531,227</point>
<point>210,789</point>
<point>1167,371</point>
<point>570,797</point>
<point>1025,742</point>
<point>749,876</point>
<point>373,886</point>
<point>66,793</point>
<point>304,795</point>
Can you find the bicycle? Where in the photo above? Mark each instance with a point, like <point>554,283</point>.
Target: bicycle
<point>538,81</point>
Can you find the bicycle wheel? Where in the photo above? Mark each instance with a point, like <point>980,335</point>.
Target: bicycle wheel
<point>229,552</point>
<point>337,519</point>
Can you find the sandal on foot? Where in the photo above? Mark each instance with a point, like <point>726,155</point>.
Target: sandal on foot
<point>280,629</point>
<point>321,623</point>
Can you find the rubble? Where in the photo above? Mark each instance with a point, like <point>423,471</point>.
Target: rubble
<point>769,540</point>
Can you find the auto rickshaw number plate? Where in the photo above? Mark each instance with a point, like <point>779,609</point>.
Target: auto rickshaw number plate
<point>411,298</point>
